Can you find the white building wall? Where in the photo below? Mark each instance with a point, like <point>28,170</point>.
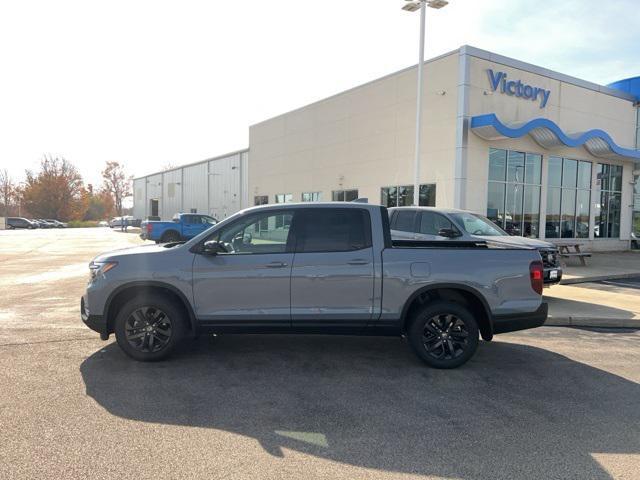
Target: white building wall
<point>363,138</point>
<point>139,196</point>
<point>171,193</point>
<point>195,188</point>
<point>224,183</point>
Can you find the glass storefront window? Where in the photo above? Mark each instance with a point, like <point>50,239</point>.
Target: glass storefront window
<point>609,184</point>
<point>344,195</point>
<point>495,203</point>
<point>567,210</point>
<point>513,201</point>
<point>311,196</point>
<point>555,172</point>
<point>497,164</point>
<point>402,196</point>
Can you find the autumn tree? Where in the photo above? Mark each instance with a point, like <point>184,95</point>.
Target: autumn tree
<point>117,183</point>
<point>100,204</point>
<point>7,191</point>
<point>56,191</point>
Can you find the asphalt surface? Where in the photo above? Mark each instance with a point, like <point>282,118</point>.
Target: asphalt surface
<point>547,403</point>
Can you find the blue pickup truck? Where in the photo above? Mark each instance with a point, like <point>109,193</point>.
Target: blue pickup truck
<point>183,226</point>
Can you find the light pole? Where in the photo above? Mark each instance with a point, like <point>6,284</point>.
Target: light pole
<point>412,7</point>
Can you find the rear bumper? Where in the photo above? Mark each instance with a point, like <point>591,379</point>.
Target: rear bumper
<point>520,321</point>
<point>547,275</point>
<point>97,323</point>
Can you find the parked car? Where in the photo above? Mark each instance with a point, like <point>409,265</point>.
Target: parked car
<point>430,223</point>
<point>57,223</point>
<point>183,227</point>
<point>321,268</point>
<point>38,223</point>
<point>103,223</point>
<point>19,222</point>
<point>117,221</point>
<point>47,223</point>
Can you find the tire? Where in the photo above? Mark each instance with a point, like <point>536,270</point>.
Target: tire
<point>444,334</point>
<point>149,327</point>
<point>170,236</point>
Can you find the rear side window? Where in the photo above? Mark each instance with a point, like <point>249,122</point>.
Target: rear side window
<point>405,220</point>
<point>431,223</point>
<point>334,230</point>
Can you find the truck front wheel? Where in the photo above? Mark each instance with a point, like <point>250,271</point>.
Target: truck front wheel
<point>149,327</point>
<point>443,334</point>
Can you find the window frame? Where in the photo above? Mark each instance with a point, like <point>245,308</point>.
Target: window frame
<point>520,187</point>
<point>398,189</point>
<point>418,226</point>
<point>608,193</point>
<point>290,244</point>
<point>303,217</point>
<point>344,194</point>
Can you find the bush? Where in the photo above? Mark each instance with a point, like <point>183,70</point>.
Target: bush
<point>82,223</point>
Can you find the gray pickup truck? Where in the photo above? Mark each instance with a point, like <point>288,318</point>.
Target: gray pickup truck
<point>314,268</point>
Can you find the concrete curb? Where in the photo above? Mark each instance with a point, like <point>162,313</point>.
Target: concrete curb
<point>592,322</point>
<point>598,278</point>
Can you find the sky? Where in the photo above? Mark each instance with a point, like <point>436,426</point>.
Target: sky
<point>158,83</point>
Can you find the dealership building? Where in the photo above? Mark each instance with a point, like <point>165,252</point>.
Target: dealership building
<point>541,153</point>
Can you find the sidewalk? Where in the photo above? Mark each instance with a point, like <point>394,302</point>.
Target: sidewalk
<point>602,266</point>
<point>577,301</point>
<point>593,305</point>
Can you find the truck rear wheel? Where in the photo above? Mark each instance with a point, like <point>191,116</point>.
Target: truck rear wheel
<point>149,327</point>
<point>170,236</point>
<point>444,334</point>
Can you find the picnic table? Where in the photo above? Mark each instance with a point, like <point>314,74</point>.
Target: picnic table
<point>573,250</point>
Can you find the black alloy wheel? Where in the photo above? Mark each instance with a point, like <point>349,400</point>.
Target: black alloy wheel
<point>149,327</point>
<point>444,334</point>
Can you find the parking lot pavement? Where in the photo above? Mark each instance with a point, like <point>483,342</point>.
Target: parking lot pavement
<point>42,276</point>
<point>546,403</point>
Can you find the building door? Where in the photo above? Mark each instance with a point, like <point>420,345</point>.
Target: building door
<point>332,279</point>
<point>153,207</point>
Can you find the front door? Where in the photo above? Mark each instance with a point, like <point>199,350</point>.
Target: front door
<point>332,279</point>
<point>250,285</point>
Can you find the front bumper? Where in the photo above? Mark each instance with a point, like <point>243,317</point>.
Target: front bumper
<point>520,321</point>
<point>97,323</point>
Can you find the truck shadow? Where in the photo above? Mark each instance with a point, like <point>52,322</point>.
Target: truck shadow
<point>514,411</point>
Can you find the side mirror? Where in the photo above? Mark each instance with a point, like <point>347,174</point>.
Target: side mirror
<point>448,233</point>
<point>213,247</point>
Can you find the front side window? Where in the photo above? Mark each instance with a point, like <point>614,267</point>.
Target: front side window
<point>334,230</point>
<point>257,233</point>
<point>513,200</point>
<point>477,225</point>
<point>431,223</point>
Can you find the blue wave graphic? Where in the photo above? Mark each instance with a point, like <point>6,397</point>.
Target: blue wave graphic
<point>491,120</point>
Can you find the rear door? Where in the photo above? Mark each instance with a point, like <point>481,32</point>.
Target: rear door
<point>332,280</point>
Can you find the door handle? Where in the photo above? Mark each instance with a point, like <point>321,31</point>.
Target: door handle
<point>358,261</point>
<point>276,265</point>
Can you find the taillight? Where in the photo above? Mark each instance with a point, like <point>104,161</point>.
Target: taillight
<point>536,273</point>
<point>149,228</point>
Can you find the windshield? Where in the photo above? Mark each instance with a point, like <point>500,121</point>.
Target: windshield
<point>477,225</point>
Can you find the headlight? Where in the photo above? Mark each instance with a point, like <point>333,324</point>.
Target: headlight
<point>100,268</point>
